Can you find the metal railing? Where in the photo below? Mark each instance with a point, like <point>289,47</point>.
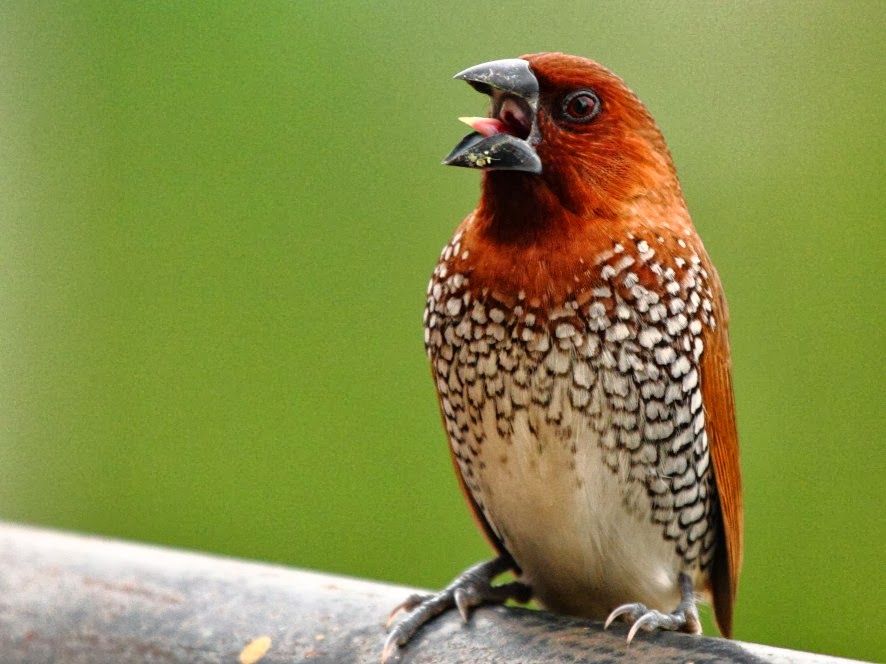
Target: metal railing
<point>77,599</point>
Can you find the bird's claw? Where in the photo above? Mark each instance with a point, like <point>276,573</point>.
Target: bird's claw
<point>406,605</point>
<point>471,588</point>
<point>464,600</point>
<point>683,619</point>
<point>632,611</point>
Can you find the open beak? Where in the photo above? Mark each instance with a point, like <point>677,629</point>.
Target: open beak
<point>504,141</point>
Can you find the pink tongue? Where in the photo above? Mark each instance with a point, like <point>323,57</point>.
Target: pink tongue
<point>486,126</point>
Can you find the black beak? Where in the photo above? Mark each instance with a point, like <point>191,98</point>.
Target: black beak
<point>503,142</point>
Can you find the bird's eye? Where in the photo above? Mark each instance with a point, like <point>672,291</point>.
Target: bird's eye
<point>581,106</point>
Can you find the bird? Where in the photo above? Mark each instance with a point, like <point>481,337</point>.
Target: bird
<point>577,336</point>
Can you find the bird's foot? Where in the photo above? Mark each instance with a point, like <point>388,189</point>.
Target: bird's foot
<point>469,589</point>
<point>683,619</point>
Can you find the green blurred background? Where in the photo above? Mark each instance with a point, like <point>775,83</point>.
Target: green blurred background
<point>217,223</point>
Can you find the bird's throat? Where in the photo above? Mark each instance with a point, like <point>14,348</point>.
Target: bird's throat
<point>518,209</point>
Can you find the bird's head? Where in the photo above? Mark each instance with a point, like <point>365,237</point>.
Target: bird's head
<point>564,136</point>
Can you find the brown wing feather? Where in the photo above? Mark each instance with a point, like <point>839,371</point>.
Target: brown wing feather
<point>719,405</point>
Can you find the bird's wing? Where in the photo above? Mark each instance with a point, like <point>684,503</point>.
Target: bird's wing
<point>719,405</point>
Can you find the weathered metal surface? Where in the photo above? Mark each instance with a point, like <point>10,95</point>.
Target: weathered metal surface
<point>80,599</point>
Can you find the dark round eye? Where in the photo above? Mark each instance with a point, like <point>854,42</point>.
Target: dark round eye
<point>581,106</point>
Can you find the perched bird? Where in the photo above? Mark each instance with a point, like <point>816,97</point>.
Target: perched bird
<point>576,330</point>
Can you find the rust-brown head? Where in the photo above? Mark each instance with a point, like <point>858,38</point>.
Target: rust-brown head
<point>564,136</point>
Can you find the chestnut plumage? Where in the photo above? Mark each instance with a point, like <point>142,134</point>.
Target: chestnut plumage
<point>577,334</point>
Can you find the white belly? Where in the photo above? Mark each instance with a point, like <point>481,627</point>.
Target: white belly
<point>582,536</point>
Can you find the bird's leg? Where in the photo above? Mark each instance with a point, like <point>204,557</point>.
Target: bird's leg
<point>469,589</point>
<point>684,618</point>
